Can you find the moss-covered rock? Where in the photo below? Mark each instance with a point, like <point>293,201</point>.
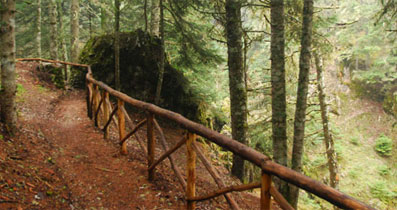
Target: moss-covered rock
<point>53,74</point>
<point>390,103</point>
<point>378,86</point>
<point>139,58</point>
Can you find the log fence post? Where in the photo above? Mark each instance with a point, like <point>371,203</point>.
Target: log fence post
<point>150,144</point>
<point>191,170</point>
<point>266,183</point>
<point>89,99</point>
<point>95,100</point>
<point>121,122</point>
<point>105,98</point>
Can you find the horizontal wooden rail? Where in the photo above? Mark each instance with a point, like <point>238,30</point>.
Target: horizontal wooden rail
<point>234,188</point>
<point>268,167</point>
<point>53,61</point>
<point>135,129</point>
<point>168,153</point>
<point>328,193</point>
<point>110,119</point>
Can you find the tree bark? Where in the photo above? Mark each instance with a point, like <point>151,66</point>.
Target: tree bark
<point>7,52</point>
<point>162,56</point>
<point>328,139</point>
<point>238,93</point>
<point>38,29</point>
<point>117,44</point>
<point>53,30</point>
<point>301,103</point>
<point>62,42</point>
<point>104,20</point>
<point>155,17</point>
<point>279,107</point>
<point>145,14</point>
<point>74,26</point>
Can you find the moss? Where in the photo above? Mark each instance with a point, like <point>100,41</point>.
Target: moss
<point>139,58</point>
<point>390,103</point>
<point>54,74</point>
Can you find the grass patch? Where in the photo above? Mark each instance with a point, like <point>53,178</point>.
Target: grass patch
<point>20,90</point>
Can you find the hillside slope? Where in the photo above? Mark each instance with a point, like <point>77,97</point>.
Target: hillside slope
<point>364,173</point>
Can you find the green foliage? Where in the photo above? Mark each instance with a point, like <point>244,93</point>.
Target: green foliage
<point>20,90</point>
<point>384,170</point>
<point>384,145</point>
<point>355,141</point>
<point>380,190</point>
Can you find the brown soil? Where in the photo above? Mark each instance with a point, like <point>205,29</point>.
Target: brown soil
<point>60,160</point>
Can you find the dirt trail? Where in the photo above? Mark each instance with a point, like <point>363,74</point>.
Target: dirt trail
<point>91,169</point>
<point>76,168</point>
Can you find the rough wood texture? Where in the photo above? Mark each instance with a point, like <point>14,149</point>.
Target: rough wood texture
<point>89,99</point>
<point>115,120</point>
<point>279,103</point>
<point>95,103</point>
<point>215,176</point>
<point>333,196</point>
<point>280,200</point>
<point>266,182</point>
<point>170,158</point>
<point>234,188</point>
<point>302,95</point>
<point>53,61</point>
<point>7,62</point>
<point>168,153</point>
<point>134,130</point>
<point>110,118</point>
<point>191,171</point>
<point>105,97</point>
<point>74,28</point>
<point>150,143</point>
<point>120,114</point>
<point>131,124</point>
<point>97,124</point>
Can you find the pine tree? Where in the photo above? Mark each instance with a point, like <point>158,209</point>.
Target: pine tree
<point>279,112</point>
<point>117,43</point>
<point>7,60</point>
<point>238,92</point>
<point>74,28</point>
<point>38,29</point>
<point>301,103</point>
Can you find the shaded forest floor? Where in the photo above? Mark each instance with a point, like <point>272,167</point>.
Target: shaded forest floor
<point>59,160</point>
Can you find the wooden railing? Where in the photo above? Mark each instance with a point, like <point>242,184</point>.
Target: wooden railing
<point>104,112</point>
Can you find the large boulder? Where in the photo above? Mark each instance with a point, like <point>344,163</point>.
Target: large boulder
<point>378,86</point>
<point>139,59</point>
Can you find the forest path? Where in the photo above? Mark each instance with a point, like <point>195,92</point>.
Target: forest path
<point>93,173</point>
<point>60,160</point>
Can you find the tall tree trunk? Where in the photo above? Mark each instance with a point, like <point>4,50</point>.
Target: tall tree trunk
<point>7,52</point>
<point>328,139</point>
<point>279,107</point>
<point>104,20</point>
<point>62,42</point>
<point>155,17</point>
<point>162,56</point>
<point>145,14</point>
<point>74,27</point>
<point>53,30</point>
<point>238,93</point>
<point>117,44</point>
<point>301,103</point>
<point>38,29</point>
